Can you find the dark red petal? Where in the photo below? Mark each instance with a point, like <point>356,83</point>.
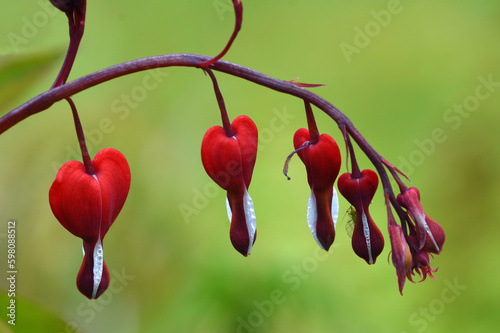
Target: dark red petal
<point>325,230</point>
<point>437,234</point>
<point>367,240</point>
<point>239,232</point>
<point>430,235</point>
<point>368,248</point>
<point>401,256</point>
<point>85,278</point>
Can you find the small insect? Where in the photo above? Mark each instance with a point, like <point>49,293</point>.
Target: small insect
<point>349,226</point>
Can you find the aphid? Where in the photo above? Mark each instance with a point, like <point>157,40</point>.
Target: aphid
<point>349,226</point>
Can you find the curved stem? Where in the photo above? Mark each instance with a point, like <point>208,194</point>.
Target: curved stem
<point>76,22</point>
<point>46,99</point>
<point>355,172</point>
<point>226,124</point>
<point>87,161</point>
<point>238,11</point>
<point>311,123</point>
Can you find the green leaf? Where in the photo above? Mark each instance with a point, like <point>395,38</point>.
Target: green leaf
<point>29,317</point>
<point>19,72</point>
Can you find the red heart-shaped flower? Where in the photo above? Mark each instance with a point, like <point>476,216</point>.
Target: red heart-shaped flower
<point>229,161</point>
<point>86,205</point>
<point>322,160</point>
<point>367,240</point>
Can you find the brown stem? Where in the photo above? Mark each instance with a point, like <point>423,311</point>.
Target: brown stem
<point>76,22</point>
<point>226,124</point>
<point>355,172</point>
<point>46,99</point>
<point>238,11</point>
<point>287,161</point>
<point>87,161</point>
<point>311,123</point>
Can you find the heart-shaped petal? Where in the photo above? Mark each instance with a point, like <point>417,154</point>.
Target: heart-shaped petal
<point>322,159</point>
<point>227,159</point>
<point>86,205</point>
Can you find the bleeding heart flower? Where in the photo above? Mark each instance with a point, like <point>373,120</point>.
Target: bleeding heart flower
<point>430,235</point>
<point>322,160</point>
<point>86,205</point>
<point>229,161</point>
<point>401,255</point>
<point>367,240</point>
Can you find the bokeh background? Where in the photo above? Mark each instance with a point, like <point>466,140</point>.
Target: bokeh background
<point>401,70</point>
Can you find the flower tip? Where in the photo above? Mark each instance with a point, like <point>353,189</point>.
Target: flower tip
<point>85,281</point>
<point>241,248</point>
<point>326,244</point>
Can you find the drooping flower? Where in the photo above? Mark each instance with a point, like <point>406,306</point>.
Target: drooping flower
<point>367,240</point>
<point>429,234</point>
<point>229,161</point>
<point>401,255</point>
<point>421,264</point>
<point>87,205</point>
<point>321,157</point>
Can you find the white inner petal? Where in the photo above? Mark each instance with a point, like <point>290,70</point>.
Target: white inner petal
<point>366,232</point>
<point>312,217</point>
<point>250,218</point>
<point>229,212</point>
<point>422,221</point>
<point>335,208</point>
<point>98,266</point>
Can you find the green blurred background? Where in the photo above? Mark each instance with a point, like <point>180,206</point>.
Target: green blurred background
<point>408,67</point>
